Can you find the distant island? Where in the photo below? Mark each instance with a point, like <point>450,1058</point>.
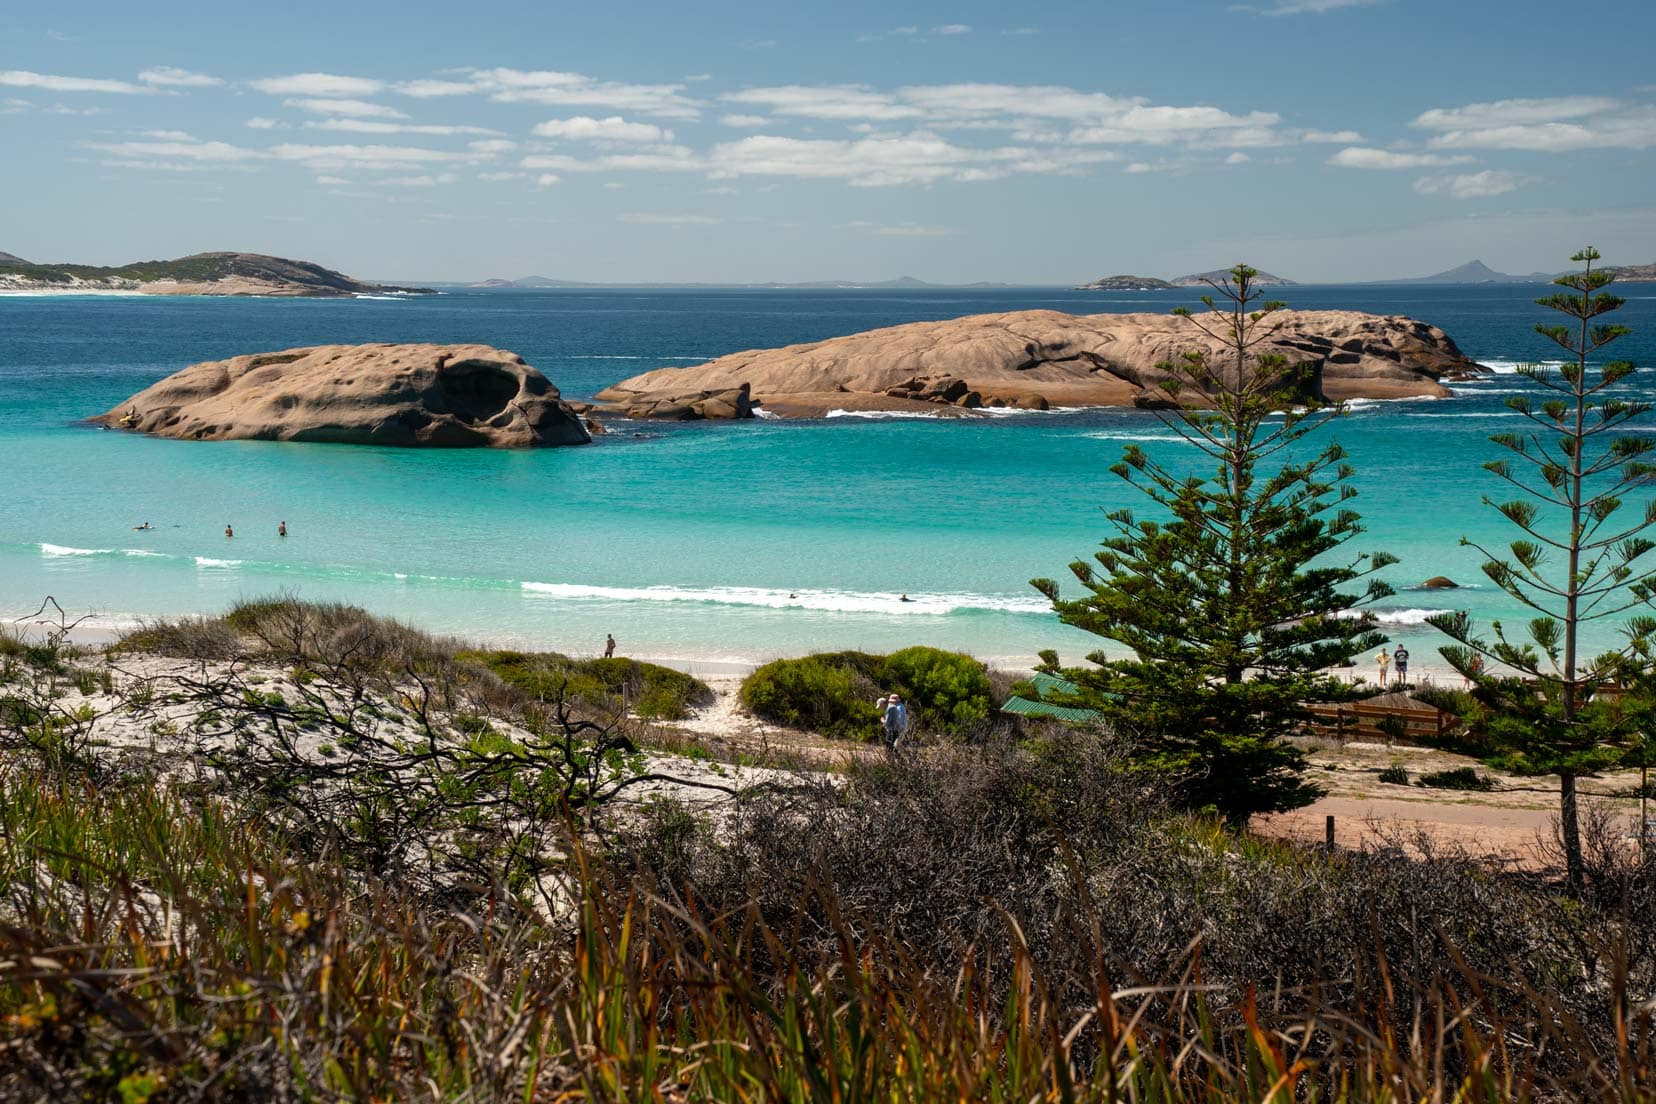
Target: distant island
<point>197,274</point>
<point>1126,283</point>
<point>1195,279</point>
<point>1474,272</point>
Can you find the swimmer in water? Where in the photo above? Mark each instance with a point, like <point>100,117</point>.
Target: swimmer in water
<point>281,530</point>
<point>228,532</point>
<point>143,527</point>
<point>905,598</point>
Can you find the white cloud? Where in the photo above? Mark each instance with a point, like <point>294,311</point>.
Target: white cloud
<point>579,90</point>
<point>165,76</point>
<point>1358,157</point>
<point>168,135</point>
<point>1332,137</point>
<point>1500,113</point>
<point>319,84</point>
<point>697,78</point>
<point>496,177</point>
<point>332,180</point>
<point>612,129</point>
<point>1490,182</point>
<point>12,105</point>
<point>844,101</point>
<point>651,159</point>
<point>649,218</point>
<point>424,181</point>
<point>1556,125</point>
<point>1314,7</point>
<point>427,89</point>
<point>174,148</point>
<point>259,122</point>
<point>325,158</point>
<point>952,29</point>
<point>1237,158</point>
<point>22,78</point>
<point>65,109</point>
<point>372,126</point>
<point>744,121</point>
<point>899,230</point>
<point>919,157</point>
<point>355,109</point>
<point>546,180</point>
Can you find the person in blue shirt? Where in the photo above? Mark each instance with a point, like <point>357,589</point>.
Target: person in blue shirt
<point>895,721</point>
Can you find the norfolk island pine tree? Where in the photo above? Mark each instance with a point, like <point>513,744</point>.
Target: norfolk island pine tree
<point>1233,604</point>
<point>1578,561</point>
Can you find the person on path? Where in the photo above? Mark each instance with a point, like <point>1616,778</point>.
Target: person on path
<point>1401,659</point>
<point>894,722</point>
<point>1383,658</point>
<point>609,645</point>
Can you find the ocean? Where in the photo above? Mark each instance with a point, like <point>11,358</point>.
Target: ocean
<point>694,541</point>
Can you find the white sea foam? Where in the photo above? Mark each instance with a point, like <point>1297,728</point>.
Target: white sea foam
<point>1472,414</point>
<point>63,550</point>
<point>1105,435</point>
<point>1510,367</point>
<point>881,414</point>
<point>208,561</point>
<point>382,298</point>
<point>617,356</point>
<point>829,601</point>
<point>1406,616</point>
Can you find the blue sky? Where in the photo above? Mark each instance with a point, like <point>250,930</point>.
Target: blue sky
<point>956,142</point>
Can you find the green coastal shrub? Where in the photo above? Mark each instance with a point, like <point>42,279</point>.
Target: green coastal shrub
<point>1460,778</point>
<point>1395,775</point>
<point>833,692</point>
<point>653,692</point>
<point>814,693</point>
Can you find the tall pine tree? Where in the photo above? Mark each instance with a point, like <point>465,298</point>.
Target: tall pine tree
<point>1580,560</point>
<point>1231,601</point>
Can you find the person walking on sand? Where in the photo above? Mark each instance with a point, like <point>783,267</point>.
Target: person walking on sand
<point>894,723</point>
<point>1401,659</point>
<point>609,645</point>
<point>281,529</point>
<point>1383,659</point>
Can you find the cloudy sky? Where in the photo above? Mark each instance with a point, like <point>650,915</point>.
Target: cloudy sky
<point>959,141</point>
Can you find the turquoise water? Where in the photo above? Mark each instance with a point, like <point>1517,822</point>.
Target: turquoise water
<point>682,540</point>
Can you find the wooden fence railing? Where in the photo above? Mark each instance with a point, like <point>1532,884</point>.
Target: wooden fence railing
<point>1359,721</point>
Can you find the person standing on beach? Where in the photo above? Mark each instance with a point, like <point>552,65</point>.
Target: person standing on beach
<point>895,722</point>
<point>609,645</point>
<point>1401,658</point>
<point>1383,658</point>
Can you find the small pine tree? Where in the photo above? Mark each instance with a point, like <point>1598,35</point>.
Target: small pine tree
<point>1232,607</point>
<point>1577,562</point>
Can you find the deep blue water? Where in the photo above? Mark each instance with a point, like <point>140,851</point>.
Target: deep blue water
<point>683,540</point>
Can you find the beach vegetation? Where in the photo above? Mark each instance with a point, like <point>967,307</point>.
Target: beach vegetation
<point>648,690</point>
<point>1457,778</point>
<point>1233,596</point>
<point>1395,775</point>
<point>1539,702</point>
<point>833,693</point>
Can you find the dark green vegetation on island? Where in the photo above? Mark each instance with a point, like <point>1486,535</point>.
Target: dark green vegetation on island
<point>1126,283</point>
<point>303,277</point>
<point>833,693</point>
<point>336,867</point>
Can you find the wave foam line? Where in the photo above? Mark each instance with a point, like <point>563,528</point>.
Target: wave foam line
<point>884,415</point>
<point>66,550</point>
<point>209,561</point>
<point>1406,616</point>
<point>1102,435</point>
<point>830,601</point>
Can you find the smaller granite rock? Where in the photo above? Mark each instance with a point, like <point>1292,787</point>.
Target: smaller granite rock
<point>1440,582</point>
<point>446,396</point>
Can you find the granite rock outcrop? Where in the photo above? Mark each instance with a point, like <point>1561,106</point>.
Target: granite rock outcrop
<point>435,396</point>
<point>1040,359</point>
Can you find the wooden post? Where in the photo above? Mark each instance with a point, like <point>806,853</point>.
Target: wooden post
<point>1328,832</point>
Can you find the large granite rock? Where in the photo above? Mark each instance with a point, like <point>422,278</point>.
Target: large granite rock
<point>444,396</point>
<point>1039,359</point>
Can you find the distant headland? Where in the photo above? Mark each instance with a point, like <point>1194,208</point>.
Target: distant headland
<point>197,274</point>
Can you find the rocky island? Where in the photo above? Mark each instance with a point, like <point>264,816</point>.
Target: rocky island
<point>1126,283</point>
<point>442,396</point>
<point>197,274</point>
<point>1035,360</point>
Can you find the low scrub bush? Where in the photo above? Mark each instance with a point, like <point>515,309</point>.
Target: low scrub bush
<point>833,692</point>
<point>1458,778</point>
<point>651,691</point>
<point>1395,775</point>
